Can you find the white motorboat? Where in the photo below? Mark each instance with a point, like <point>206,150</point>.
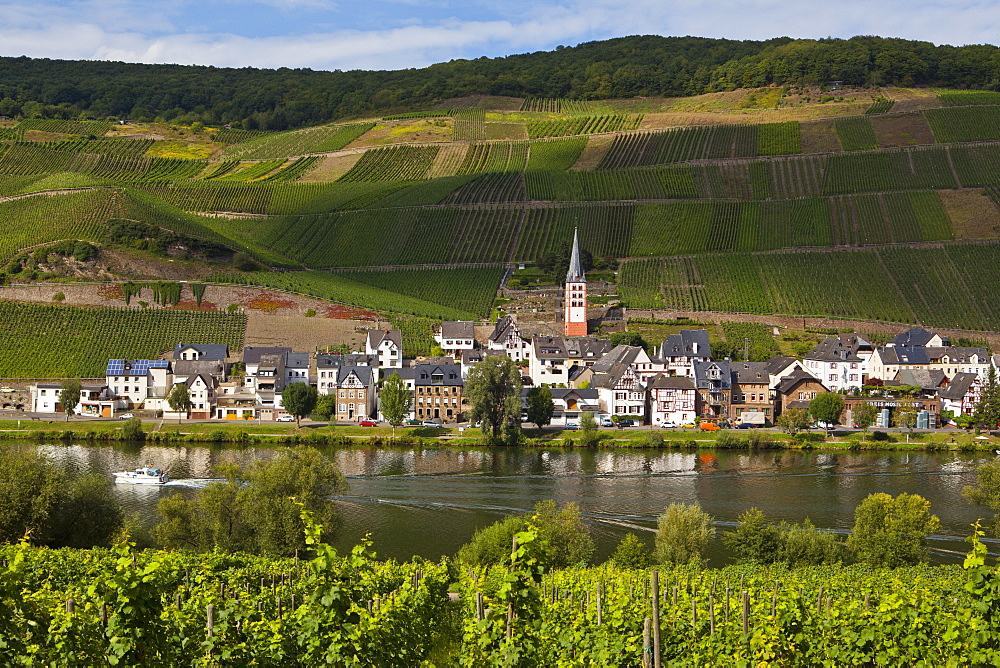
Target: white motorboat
<point>147,475</point>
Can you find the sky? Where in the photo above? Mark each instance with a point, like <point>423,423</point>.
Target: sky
<point>399,34</point>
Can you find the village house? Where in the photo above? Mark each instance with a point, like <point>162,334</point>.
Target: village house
<point>714,382</point>
<point>620,392</point>
<point>438,392</point>
<point>506,337</point>
<point>135,380</point>
<point>962,394</point>
<point>752,400</point>
<point>201,352</point>
<point>407,374</point>
<point>387,346</point>
<point>568,405</point>
<point>680,352</point>
<point>95,400</point>
<point>672,399</point>
<point>633,356</point>
<point>839,361</point>
<point>454,336</point>
<point>329,364</point>
<point>201,394</point>
<point>552,357</point>
<point>268,370</point>
<point>355,391</point>
<point>796,390</point>
<point>471,358</point>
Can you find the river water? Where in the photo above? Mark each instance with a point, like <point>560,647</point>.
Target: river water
<point>429,501</point>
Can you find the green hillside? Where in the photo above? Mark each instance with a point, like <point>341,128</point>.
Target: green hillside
<point>419,215</point>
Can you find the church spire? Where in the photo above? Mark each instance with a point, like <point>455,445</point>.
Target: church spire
<point>575,273</point>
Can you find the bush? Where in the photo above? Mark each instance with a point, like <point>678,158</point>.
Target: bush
<point>890,532</point>
<point>567,537</point>
<point>754,540</point>
<point>879,436</point>
<point>132,430</point>
<point>805,545</point>
<point>683,533</point>
<point>58,297</point>
<point>631,553</point>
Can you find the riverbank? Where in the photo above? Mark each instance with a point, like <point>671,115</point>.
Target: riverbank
<point>313,434</point>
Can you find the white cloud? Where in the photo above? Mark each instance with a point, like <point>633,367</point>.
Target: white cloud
<point>132,31</point>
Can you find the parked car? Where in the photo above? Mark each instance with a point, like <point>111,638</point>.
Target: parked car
<point>368,423</point>
<point>430,423</point>
<point>745,425</point>
<point>626,423</point>
<point>126,416</point>
<point>285,418</point>
<point>413,423</point>
<point>571,425</point>
<point>7,389</point>
<point>689,425</point>
<point>606,422</point>
<point>668,425</point>
<point>710,426</point>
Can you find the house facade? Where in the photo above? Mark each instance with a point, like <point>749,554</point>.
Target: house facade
<point>752,401</point>
<point>387,346</point>
<point>672,399</point>
<point>437,390</point>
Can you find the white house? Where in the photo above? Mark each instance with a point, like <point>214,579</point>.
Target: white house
<point>839,361</point>
<point>672,399</point>
<point>569,404</point>
<point>620,392</point>
<point>553,356</point>
<point>387,346</point>
<point>329,364</point>
<point>135,380</point>
<point>454,336</point>
<point>507,337</point>
<point>680,352</point>
<point>962,395</point>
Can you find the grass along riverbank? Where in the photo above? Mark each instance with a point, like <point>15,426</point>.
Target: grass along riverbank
<point>322,434</point>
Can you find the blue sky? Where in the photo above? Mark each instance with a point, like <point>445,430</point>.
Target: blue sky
<point>395,34</point>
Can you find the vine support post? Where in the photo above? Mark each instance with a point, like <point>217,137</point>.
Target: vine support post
<point>599,601</point>
<point>104,614</point>
<point>654,585</point>
<point>646,648</point>
<point>70,606</point>
<point>210,623</point>
<point>711,614</point>
<point>746,612</point>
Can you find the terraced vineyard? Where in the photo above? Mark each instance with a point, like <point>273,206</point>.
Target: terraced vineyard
<point>714,211</point>
<point>48,341</point>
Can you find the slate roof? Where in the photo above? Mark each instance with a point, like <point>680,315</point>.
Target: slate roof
<point>575,272</point>
<point>375,337</point>
<point>502,329</point>
<point>215,368</point>
<point>406,373</point>
<point>915,337</point>
<point>458,329</point>
<point>618,355</point>
<point>778,363</point>
<point>750,372</point>
<point>590,394</point>
<point>334,361</point>
<point>193,377</point>
<point>206,351</point>
<point>364,374</point>
<point>558,347</point>
<point>252,354</point>
<point>297,360</point>
<point>661,382</point>
<point>794,378</point>
<point>609,379</point>
<point>687,343</point>
<point>959,387</point>
<point>451,374</point>
<point>704,380</point>
<point>833,349</point>
<point>904,355</point>
<point>927,379</point>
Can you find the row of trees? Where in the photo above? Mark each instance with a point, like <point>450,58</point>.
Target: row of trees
<point>888,532</point>
<point>616,68</point>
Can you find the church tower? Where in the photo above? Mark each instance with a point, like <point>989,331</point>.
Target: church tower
<point>575,300</point>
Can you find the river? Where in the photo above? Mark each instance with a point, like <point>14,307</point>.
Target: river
<point>429,501</point>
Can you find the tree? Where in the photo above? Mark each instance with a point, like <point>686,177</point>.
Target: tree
<point>683,533</point>
<point>626,339</point>
<point>179,400</point>
<point>132,430</point>
<point>631,553</point>
<point>395,400</point>
<point>891,532</point>
<point>986,491</point>
<point>568,538</point>
<point>906,413</point>
<point>805,545</point>
<point>864,415</point>
<point>754,540</point>
<point>255,509</point>
<point>987,410</point>
<point>588,430</point>
<point>826,408</point>
<point>792,420</point>
<point>326,406</point>
<point>299,400</point>
<point>493,387</point>
<point>540,406</point>
<point>40,502</point>
<point>69,396</point>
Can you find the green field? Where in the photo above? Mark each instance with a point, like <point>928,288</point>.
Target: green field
<point>49,341</point>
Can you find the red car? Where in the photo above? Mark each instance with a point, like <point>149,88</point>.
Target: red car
<point>368,423</point>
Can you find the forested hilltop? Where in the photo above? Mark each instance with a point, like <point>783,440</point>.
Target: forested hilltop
<point>617,68</point>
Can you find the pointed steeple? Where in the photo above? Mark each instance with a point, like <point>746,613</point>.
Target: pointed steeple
<point>575,273</point>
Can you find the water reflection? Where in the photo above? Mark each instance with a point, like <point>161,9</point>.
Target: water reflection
<point>429,501</point>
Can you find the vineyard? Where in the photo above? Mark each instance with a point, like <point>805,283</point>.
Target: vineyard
<point>583,125</point>
<point>296,142</point>
<point>49,341</point>
<point>943,286</point>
